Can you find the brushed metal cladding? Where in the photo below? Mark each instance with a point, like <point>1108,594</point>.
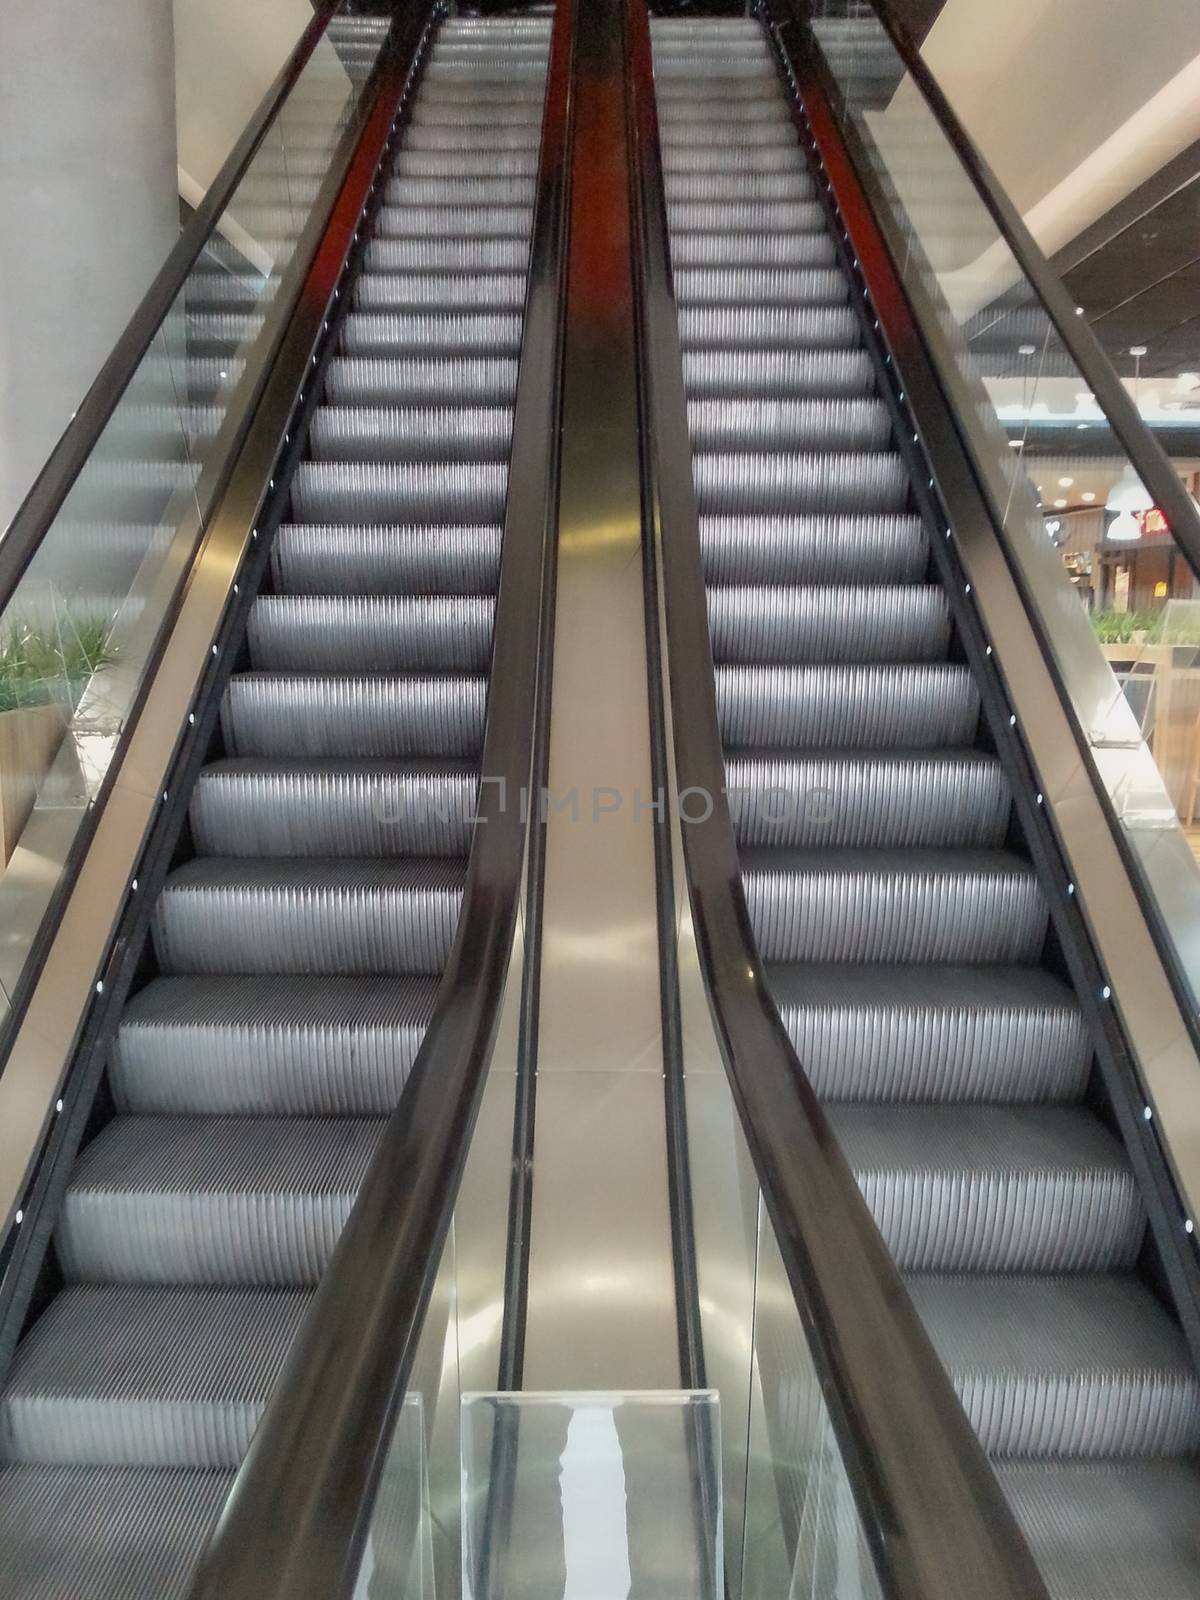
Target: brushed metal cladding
<point>601,1288</point>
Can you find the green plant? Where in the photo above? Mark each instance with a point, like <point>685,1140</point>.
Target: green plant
<point>1119,627</point>
<point>39,666</point>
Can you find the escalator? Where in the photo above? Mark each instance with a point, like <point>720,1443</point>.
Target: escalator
<point>298,942</point>
<point>904,930</point>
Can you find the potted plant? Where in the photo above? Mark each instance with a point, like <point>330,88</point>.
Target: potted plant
<point>43,673</point>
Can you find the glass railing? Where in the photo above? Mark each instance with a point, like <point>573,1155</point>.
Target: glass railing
<point>80,629</point>
<point>1108,567</point>
<point>791,1520</point>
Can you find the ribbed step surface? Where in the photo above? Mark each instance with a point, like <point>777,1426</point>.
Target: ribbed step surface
<point>901,926</point>
<point>82,1530</point>
<point>300,947</point>
<point>105,1379</point>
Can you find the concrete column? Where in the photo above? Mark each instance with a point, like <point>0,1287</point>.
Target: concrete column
<point>88,204</point>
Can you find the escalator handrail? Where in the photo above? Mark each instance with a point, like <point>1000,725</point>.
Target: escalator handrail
<point>1150,461</point>
<point>41,505</point>
<point>298,1516</point>
<point>933,1515</point>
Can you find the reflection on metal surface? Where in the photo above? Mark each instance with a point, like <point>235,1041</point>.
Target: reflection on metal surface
<point>601,1285</point>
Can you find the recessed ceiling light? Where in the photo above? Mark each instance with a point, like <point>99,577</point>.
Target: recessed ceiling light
<point>1059,505</point>
<point>1065,483</point>
<point>1088,498</point>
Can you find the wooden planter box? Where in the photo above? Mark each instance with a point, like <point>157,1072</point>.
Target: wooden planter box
<point>29,741</point>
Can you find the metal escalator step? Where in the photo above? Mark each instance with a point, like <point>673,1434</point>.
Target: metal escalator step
<point>869,799</point>
<point>371,633</point>
<point>750,136</point>
<point>872,906</point>
<point>828,623</point>
<point>899,706</point>
<point>244,806</point>
<point>673,92</point>
<point>452,93</point>
<point>994,1188</point>
<point>524,113</point>
<point>1064,1366</point>
<point>962,1035</point>
<point>110,1533</point>
<point>793,425</point>
<point>730,119</point>
<point>753,185</point>
<point>753,217</point>
<point>432,164</point>
<point>1110,1530</point>
<point>699,160</point>
<point>702,249</point>
<point>103,1378</point>
<point>426,291</point>
<point>451,221</point>
<point>368,491</point>
<point>313,558</point>
<point>297,714</point>
<point>799,481</point>
<point>485,380</point>
<point>768,327</point>
<point>795,375</point>
<point>241,916</point>
<point>733,62</point>
<point>436,136</point>
<point>717,286</point>
<point>370,333</point>
<point>446,255</point>
<point>269,1046</point>
<point>212,1200</point>
<point>383,434</point>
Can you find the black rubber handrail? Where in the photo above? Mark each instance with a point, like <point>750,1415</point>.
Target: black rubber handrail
<point>54,482</point>
<point>933,1515</point>
<point>298,1516</point>
<point>1150,461</point>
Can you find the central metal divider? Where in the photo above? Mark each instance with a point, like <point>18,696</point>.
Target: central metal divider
<point>601,1298</point>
